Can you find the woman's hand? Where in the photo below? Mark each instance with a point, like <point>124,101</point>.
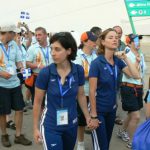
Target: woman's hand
<point>93,123</point>
<point>37,136</point>
<point>121,54</point>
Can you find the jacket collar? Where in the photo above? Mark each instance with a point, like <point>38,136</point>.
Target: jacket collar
<point>54,69</point>
<point>103,59</point>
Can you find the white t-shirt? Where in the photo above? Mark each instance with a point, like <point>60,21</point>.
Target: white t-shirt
<point>83,60</point>
<point>142,66</point>
<point>38,54</point>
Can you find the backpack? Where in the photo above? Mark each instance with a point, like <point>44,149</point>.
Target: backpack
<point>141,138</point>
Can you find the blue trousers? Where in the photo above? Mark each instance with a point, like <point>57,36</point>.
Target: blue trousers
<point>102,135</point>
<point>59,140</point>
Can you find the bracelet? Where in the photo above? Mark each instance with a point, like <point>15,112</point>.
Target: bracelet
<point>94,117</point>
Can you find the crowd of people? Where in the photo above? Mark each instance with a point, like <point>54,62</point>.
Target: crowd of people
<point>72,87</point>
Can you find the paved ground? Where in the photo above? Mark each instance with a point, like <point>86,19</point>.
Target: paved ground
<point>116,143</point>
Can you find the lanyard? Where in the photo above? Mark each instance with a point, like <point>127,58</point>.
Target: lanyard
<point>86,58</point>
<point>61,90</point>
<point>6,52</point>
<point>111,72</point>
<point>46,56</point>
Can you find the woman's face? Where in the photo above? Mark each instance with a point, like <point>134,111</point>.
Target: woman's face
<point>59,53</point>
<point>111,40</point>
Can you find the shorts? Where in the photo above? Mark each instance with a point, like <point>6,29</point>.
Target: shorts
<point>132,98</point>
<point>11,98</point>
<point>81,118</point>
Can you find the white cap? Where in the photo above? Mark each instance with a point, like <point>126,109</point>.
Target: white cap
<point>9,27</point>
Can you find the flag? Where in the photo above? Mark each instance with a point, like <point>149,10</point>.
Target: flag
<point>26,73</point>
<point>24,15</point>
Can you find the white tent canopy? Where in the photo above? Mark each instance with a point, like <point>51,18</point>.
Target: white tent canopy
<point>77,15</point>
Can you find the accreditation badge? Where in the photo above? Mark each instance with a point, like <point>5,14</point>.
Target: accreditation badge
<point>62,117</point>
<point>10,69</point>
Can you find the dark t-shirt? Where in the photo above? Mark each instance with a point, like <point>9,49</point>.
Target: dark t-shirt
<point>107,83</point>
<point>48,80</point>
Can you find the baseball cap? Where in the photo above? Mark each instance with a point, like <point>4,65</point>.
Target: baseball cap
<point>9,27</point>
<point>131,37</point>
<point>88,36</point>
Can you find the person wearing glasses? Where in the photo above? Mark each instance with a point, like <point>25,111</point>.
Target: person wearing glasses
<point>63,83</point>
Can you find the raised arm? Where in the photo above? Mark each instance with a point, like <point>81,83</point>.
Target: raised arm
<point>131,69</point>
